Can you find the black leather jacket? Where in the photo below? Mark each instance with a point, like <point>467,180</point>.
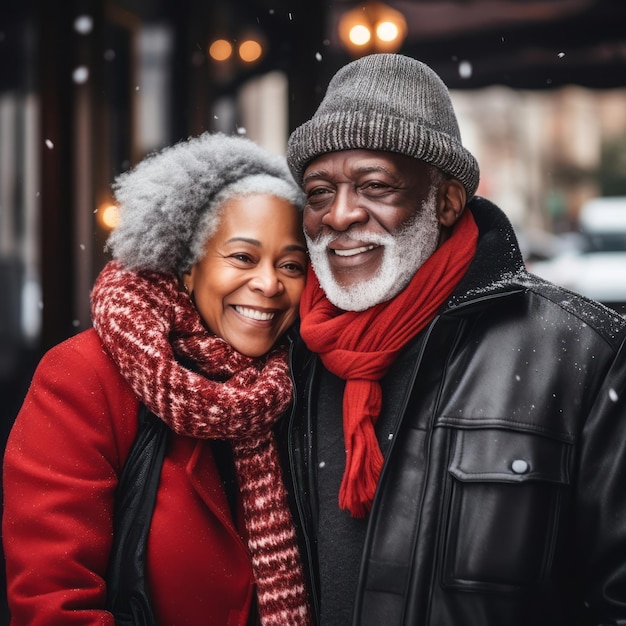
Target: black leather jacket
<point>518,406</point>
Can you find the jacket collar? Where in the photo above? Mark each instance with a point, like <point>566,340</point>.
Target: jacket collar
<point>498,265</point>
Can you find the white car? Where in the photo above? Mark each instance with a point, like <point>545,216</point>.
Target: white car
<point>598,269</point>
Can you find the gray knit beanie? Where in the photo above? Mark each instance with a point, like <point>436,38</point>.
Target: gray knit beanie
<point>386,102</point>
<point>170,202</point>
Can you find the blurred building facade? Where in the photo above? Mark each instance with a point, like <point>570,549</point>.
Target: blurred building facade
<point>543,154</point>
<point>88,87</point>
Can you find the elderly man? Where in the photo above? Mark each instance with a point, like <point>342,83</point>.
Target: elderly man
<point>458,455</point>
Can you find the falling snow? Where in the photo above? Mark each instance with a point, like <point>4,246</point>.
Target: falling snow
<point>465,69</point>
<point>83,24</point>
<point>80,75</point>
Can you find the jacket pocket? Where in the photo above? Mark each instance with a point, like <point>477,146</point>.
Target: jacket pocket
<point>504,505</point>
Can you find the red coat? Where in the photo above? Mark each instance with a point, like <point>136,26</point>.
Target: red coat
<point>62,462</point>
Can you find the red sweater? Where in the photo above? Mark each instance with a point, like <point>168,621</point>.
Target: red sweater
<point>63,458</point>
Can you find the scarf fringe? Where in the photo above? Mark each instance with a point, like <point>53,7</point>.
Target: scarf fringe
<point>364,462</point>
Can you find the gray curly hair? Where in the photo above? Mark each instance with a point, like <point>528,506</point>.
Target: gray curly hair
<point>170,202</point>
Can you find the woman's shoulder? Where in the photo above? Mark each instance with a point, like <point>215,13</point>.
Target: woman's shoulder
<point>85,346</point>
<point>82,358</point>
<point>84,341</point>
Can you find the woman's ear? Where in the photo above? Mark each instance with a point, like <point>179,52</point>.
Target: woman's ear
<point>187,281</point>
<point>451,202</point>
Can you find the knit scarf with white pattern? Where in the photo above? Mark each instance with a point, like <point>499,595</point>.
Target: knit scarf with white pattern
<point>148,325</point>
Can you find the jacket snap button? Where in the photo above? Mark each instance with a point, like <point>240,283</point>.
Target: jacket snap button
<point>519,466</point>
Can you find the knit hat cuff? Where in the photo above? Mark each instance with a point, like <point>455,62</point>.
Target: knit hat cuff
<point>369,130</point>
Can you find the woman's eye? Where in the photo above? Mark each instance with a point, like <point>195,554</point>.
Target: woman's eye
<point>293,267</point>
<point>240,256</point>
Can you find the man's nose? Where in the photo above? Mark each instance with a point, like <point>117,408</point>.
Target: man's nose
<point>345,210</point>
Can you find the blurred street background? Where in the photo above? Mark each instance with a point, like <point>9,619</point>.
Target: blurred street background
<point>89,87</point>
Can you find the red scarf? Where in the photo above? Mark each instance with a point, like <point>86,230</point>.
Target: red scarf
<point>145,321</point>
<point>359,347</point>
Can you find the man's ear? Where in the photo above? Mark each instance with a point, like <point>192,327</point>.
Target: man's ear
<point>451,201</point>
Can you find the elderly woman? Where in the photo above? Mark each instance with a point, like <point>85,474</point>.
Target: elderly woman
<point>190,322</point>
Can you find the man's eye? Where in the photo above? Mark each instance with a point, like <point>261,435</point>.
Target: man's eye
<point>374,187</point>
<point>318,197</point>
<point>317,191</point>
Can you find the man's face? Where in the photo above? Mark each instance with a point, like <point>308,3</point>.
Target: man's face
<point>370,223</point>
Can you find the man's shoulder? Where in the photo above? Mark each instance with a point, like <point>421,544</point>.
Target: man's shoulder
<point>556,307</point>
<point>592,314</point>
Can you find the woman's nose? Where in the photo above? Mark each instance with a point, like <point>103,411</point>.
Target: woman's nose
<point>267,281</point>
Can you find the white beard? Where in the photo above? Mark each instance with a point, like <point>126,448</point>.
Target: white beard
<point>405,251</point>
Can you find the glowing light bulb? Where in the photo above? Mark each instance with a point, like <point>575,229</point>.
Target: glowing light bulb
<point>387,31</point>
<point>360,35</point>
<point>220,50</point>
<point>109,216</point>
<point>250,51</point>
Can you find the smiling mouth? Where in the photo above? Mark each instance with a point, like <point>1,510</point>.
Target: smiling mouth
<point>355,251</point>
<point>254,314</point>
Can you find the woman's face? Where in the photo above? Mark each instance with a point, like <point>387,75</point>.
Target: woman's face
<point>247,287</point>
